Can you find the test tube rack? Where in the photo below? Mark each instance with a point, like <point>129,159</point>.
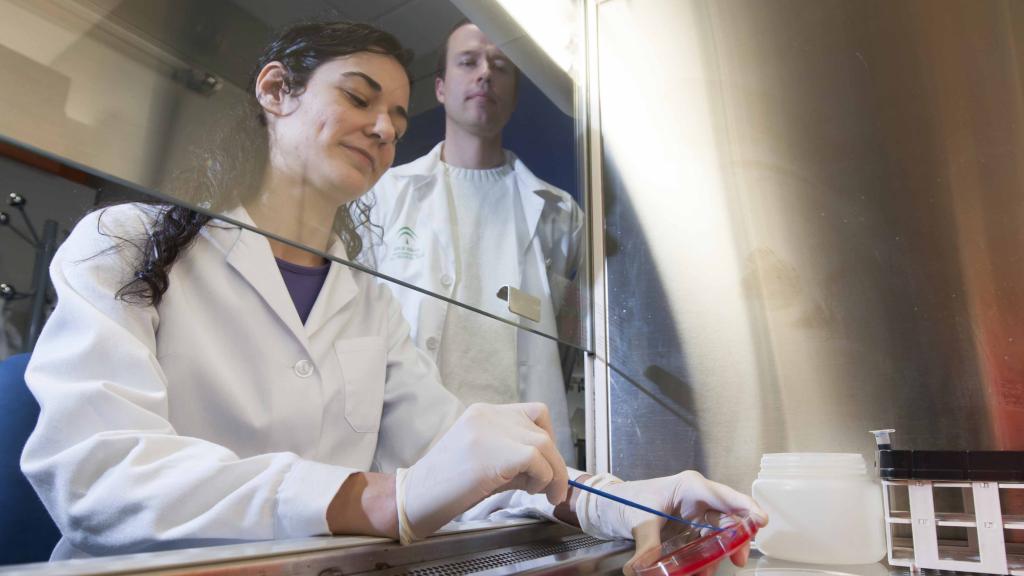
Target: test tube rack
<point>953,510</point>
<point>985,549</point>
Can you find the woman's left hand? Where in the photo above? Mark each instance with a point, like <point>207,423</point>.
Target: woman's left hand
<point>688,495</point>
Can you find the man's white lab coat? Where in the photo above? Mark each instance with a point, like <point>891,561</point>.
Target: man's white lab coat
<point>412,207</point>
<point>216,416</point>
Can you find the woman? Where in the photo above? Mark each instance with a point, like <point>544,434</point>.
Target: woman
<point>193,394</point>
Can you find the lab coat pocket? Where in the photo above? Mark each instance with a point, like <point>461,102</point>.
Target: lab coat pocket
<point>363,369</point>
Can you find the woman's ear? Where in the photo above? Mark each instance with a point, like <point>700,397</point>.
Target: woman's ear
<point>273,92</point>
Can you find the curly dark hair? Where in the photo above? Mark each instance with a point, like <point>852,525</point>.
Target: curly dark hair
<point>229,168</point>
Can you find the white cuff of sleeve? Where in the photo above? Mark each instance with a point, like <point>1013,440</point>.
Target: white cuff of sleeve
<point>589,509</point>
<point>303,498</point>
<point>405,533</point>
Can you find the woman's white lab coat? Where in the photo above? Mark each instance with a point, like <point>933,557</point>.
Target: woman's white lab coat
<point>217,415</point>
<point>413,197</point>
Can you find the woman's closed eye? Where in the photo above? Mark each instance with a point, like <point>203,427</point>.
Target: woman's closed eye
<point>359,101</point>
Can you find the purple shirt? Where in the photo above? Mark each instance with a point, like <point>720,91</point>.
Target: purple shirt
<point>304,284</point>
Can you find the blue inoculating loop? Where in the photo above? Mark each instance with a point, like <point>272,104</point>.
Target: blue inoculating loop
<point>604,494</point>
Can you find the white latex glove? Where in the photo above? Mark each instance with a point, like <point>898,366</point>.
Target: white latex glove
<point>490,448</point>
<point>688,495</point>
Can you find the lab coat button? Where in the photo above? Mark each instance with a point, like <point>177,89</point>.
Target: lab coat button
<point>431,343</point>
<point>303,368</point>
<point>446,280</point>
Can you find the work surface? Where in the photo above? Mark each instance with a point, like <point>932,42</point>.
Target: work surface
<point>759,565</point>
<point>515,547</point>
<point>507,547</point>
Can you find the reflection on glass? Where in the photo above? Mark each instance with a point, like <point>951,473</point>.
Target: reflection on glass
<point>159,96</point>
<point>206,357</point>
<point>466,216</point>
<point>481,359</point>
<point>470,221</point>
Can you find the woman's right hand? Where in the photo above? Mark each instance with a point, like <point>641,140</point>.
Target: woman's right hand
<point>491,448</point>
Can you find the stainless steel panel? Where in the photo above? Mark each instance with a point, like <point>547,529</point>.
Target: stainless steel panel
<point>813,228</point>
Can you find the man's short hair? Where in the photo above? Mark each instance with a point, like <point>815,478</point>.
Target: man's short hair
<point>442,58</point>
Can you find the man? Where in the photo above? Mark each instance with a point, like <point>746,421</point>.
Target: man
<point>466,220</point>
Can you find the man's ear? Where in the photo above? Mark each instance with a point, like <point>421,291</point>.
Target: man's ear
<point>439,89</point>
<point>273,92</point>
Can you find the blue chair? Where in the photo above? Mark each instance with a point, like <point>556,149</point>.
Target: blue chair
<point>27,534</point>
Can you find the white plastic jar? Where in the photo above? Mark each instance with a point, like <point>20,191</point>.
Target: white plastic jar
<point>823,508</point>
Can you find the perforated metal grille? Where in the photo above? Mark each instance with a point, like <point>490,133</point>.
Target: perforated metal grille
<point>481,563</point>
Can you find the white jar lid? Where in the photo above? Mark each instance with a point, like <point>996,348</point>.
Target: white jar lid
<point>814,463</point>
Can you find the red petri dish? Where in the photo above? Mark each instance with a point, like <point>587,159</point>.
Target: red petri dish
<point>688,553</point>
